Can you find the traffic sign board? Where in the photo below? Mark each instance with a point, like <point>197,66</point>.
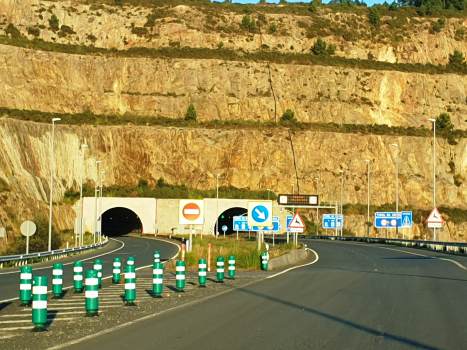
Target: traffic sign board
<point>191,212</point>
<point>435,225</point>
<point>329,221</point>
<point>298,199</point>
<point>28,228</point>
<point>260,213</point>
<point>388,219</point>
<point>297,222</point>
<point>224,228</point>
<point>240,223</point>
<point>435,218</point>
<point>289,220</point>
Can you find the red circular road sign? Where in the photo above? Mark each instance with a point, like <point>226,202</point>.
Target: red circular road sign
<point>191,211</point>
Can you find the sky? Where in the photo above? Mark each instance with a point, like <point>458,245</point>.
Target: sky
<point>368,2</point>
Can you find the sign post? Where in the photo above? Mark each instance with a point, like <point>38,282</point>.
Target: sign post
<point>191,212</point>
<point>224,228</point>
<point>28,228</point>
<point>296,225</point>
<point>260,213</point>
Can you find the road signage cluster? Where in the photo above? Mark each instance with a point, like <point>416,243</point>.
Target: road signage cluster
<point>298,199</point>
<point>191,212</point>
<point>435,219</point>
<point>329,221</point>
<point>240,223</point>
<point>260,213</point>
<point>388,219</point>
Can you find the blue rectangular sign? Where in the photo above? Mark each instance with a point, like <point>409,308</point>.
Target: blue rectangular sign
<point>388,219</point>
<point>240,223</point>
<point>329,221</point>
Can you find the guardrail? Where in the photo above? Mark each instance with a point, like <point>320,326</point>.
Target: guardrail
<point>24,259</point>
<point>450,247</point>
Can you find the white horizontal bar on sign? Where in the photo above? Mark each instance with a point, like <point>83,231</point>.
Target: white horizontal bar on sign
<point>191,211</point>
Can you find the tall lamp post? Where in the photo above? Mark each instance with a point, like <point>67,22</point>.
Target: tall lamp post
<point>397,189</point>
<point>100,208</point>
<point>95,199</point>
<point>81,221</point>
<point>217,219</point>
<point>52,182</point>
<point>434,170</point>
<point>368,202</point>
<point>317,208</point>
<point>342,200</point>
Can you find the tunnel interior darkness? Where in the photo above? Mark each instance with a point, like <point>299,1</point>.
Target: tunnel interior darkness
<point>226,218</point>
<point>120,221</point>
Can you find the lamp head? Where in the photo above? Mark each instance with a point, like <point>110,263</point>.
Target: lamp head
<point>102,172</point>
<point>432,120</point>
<point>84,146</point>
<point>56,120</point>
<point>97,162</point>
<point>366,160</point>
<point>395,145</point>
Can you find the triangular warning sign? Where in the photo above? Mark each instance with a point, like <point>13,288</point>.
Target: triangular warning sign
<point>297,222</point>
<point>435,217</point>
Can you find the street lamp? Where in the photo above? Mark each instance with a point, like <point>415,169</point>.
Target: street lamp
<point>100,208</point>
<point>368,202</point>
<point>52,182</point>
<point>397,190</point>
<point>434,170</point>
<point>217,220</point>
<point>342,199</point>
<point>95,199</point>
<point>317,208</point>
<point>81,224</point>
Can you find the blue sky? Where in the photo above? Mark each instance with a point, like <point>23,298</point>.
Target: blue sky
<point>368,2</point>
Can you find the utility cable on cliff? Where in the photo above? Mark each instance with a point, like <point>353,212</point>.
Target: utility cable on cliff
<point>294,161</point>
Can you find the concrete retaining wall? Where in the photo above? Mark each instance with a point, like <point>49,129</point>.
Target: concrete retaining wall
<point>291,258</point>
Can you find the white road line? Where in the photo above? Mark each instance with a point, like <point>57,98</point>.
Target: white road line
<point>426,256</point>
<point>48,313</point>
<point>48,319</point>
<point>16,328</point>
<point>296,267</point>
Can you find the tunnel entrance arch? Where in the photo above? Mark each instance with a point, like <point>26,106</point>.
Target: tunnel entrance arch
<point>226,218</point>
<point>120,221</point>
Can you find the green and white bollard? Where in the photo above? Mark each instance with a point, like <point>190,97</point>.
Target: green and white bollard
<point>98,268</point>
<point>220,269</point>
<point>57,280</point>
<point>157,257</point>
<point>180,276</point>
<point>131,261</point>
<point>264,261</point>
<point>130,285</point>
<point>39,303</point>
<point>231,267</point>
<point>78,276</point>
<point>157,278</point>
<point>25,285</point>
<point>202,267</point>
<point>92,293</point>
<point>117,270</point>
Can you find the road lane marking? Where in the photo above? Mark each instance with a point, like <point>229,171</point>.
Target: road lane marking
<point>296,267</point>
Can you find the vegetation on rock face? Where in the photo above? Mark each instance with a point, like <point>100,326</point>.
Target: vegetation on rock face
<point>162,189</point>
<point>39,241</point>
<point>53,23</point>
<point>191,114</point>
<point>288,116</point>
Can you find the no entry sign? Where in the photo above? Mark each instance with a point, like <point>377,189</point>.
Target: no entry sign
<point>191,212</point>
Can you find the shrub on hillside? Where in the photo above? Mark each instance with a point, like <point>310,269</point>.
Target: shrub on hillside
<point>191,114</point>
<point>53,23</point>
<point>374,16</point>
<point>288,116</point>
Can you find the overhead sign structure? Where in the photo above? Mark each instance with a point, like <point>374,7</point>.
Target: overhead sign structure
<point>435,219</point>
<point>329,221</point>
<point>260,213</point>
<point>297,224</point>
<point>298,199</point>
<point>240,223</point>
<point>388,219</point>
<point>191,212</point>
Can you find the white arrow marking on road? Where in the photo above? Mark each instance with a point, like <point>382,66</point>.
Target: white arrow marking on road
<point>260,214</point>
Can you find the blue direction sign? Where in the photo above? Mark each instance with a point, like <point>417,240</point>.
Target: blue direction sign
<point>388,219</point>
<point>240,223</point>
<point>260,213</point>
<point>224,228</point>
<point>329,221</point>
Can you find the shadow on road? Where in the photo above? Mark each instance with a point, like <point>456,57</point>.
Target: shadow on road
<point>359,327</point>
<point>4,305</point>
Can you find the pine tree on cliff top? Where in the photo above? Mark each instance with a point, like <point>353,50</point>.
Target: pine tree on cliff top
<point>191,114</point>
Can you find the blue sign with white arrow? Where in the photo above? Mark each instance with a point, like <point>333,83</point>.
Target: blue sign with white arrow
<point>329,221</point>
<point>388,219</point>
<point>224,228</point>
<point>260,213</point>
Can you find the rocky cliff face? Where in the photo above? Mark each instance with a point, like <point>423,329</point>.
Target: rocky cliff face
<point>198,26</point>
<point>244,158</point>
<point>56,82</point>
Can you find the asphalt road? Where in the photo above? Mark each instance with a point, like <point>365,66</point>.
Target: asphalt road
<point>357,296</point>
<point>121,247</point>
